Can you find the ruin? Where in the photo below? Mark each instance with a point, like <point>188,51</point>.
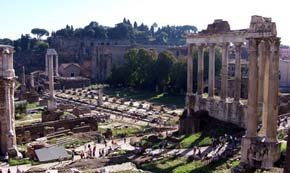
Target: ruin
<point>7,87</point>
<point>50,54</point>
<point>259,150</point>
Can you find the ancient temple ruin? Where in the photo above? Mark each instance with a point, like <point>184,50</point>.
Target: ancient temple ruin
<point>50,54</point>
<point>7,87</point>
<point>258,150</point>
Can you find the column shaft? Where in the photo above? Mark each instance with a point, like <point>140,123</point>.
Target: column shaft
<point>51,105</point>
<point>262,59</point>
<point>263,94</point>
<point>224,75</point>
<point>273,91</point>
<point>189,70</point>
<point>252,119</point>
<point>189,92</point>
<point>238,71</point>
<point>211,71</point>
<point>46,65</point>
<point>200,70</point>
<point>56,65</point>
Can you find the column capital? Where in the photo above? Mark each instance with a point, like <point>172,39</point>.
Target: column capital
<point>211,44</point>
<point>238,44</point>
<point>189,49</point>
<point>200,45</point>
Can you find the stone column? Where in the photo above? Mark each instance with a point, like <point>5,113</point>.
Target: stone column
<point>263,94</point>
<point>56,65</point>
<point>32,80</point>
<point>263,55</point>
<point>23,85</point>
<point>7,86</point>
<point>238,71</point>
<point>189,92</point>
<point>200,70</point>
<point>224,75</point>
<point>251,118</point>
<point>94,63</point>
<point>211,70</point>
<point>271,87</point>
<point>100,97</point>
<point>46,65</point>
<point>8,105</point>
<point>51,101</point>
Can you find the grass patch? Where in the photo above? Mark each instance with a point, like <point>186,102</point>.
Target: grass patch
<point>157,98</point>
<point>283,148</point>
<point>31,105</point>
<point>14,162</point>
<point>182,165</point>
<point>196,139</point>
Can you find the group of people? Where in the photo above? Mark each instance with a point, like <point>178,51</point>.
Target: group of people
<point>9,171</point>
<point>88,151</point>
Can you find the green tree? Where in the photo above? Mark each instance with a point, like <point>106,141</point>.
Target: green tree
<point>146,60</point>
<point>39,32</point>
<point>163,67</point>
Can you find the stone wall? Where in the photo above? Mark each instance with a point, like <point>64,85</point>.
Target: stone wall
<point>31,132</point>
<point>232,112</point>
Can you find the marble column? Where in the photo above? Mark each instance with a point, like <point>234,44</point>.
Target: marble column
<point>56,65</point>
<point>252,118</point>
<point>263,94</point>
<point>263,55</point>
<point>272,88</point>
<point>46,65</point>
<point>23,84</point>
<point>237,71</point>
<point>211,70</point>
<point>224,71</point>
<point>51,101</point>
<point>32,80</point>
<point>10,132</point>
<point>100,97</point>
<point>94,63</point>
<point>200,67</point>
<point>189,92</point>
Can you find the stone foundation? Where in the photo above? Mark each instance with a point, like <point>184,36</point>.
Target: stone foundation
<point>227,111</point>
<point>29,133</point>
<point>50,116</point>
<point>259,153</point>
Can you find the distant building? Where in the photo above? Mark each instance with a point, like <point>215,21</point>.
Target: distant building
<point>69,70</point>
<point>285,52</point>
<point>284,74</point>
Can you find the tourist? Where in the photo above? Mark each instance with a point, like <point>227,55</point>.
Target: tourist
<point>124,140</point>
<point>73,155</point>
<point>100,153</point>
<point>8,171</point>
<point>82,154</point>
<point>194,150</point>
<point>18,170</point>
<point>94,151</point>
<point>0,170</point>
<point>199,152</point>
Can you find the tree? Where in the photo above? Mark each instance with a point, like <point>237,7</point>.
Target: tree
<point>39,32</point>
<point>164,66</point>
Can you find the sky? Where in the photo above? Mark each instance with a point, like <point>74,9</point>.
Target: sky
<point>20,16</point>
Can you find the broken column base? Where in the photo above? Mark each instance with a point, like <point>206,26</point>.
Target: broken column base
<point>189,124</point>
<point>257,153</point>
<point>51,115</point>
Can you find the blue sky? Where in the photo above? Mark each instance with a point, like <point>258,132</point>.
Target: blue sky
<point>20,16</point>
